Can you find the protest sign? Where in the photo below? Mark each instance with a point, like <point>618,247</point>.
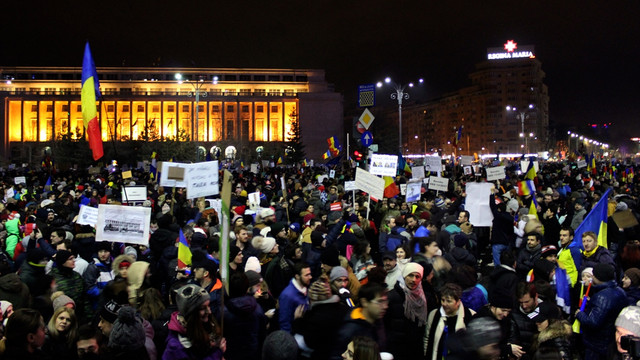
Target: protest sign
<point>413,191</point>
<point>403,189</point>
<point>477,203</point>
<point>350,186</point>
<point>438,183</point>
<point>581,164</point>
<point>524,165</point>
<point>417,172</point>
<point>127,224</point>
<point>20,180</point>
<point>385,165</point>
<point>432,163</point>
<point>332,174</point>
<point>254,200</point>
<point>134,193</point>
<point>495,173</point>
<point>466,160</point>
<point>87,216</point>
<point>369,183</point>
<point>172,174</point>
<point>202,179</point>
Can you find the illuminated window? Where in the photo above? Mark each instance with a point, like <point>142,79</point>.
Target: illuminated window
<point>215,123</point>
<point>185,108</point>
<point>259,108</point>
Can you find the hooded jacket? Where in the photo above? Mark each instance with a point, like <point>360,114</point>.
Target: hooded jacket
<point>556,337</point>
<point>14,291</point>
<point>245,328</point>
<point>13,235</point>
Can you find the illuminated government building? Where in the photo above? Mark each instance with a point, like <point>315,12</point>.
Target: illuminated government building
<point>505,109</point>
<point>240,107</point>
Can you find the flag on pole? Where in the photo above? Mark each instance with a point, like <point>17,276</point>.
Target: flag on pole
<point>153,170</point>
<point>390,187</point>
<point>184,252</point>
<point>90,92</point>
<point>563,299</point>
<point>326,155</point>
<point>47,185</point>
<point>334,146</point>
<point>596,221</point>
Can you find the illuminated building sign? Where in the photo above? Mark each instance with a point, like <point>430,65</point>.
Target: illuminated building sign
<point>511,50</point>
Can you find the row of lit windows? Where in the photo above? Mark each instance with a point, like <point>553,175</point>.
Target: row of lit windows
<point>160,77</point>
<point>154,120</point>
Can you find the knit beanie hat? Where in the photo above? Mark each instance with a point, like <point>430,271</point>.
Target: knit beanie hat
<point>330,256</point>
<point>634,275</point>
<point>317,238</point>
<point>320,290</point>
<point>629,319</point>
<point>131,251</point>
<point>62,256</point>
<point>338,272</point>
<point>103,245</point>
<point>604,272</point>
<point>128,332</point>
<point>460,240</point>
<point>253,277</point>
<point>61,300</point>
<point>276,228</point>
<point>307,218</point>
<point>501,298</point>
<point>35,256</point>
<point>109,311</point>
<point>334,216</point>
<point>483,331</point>
<point>189,299</point>
<point>548,251</point>
<point>253,264</point>
<point>411,268</point>
<point>264,244</point>
<point>280,345</point>
<point>233,252</point>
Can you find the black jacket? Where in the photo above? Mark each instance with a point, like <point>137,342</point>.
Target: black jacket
<point>510,333</point>
<point>502,232</point>
<point>404,336</point>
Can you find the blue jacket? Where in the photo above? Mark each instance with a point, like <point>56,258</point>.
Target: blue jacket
<point>245,326</point>
<point>289,300</point>
<point>599,316</point>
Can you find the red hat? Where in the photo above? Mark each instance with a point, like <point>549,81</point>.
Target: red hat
<point>80,187</point>
<point>321,187</point>
<point>307,218</point>
<point>240,209</point>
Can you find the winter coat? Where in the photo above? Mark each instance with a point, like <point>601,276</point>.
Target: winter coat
<point>504,278</point>
<point>320,325</point>
<point>436,328</point>
<point>527,327</point>
<point>633,295</point>
<point>289,300</point>
<point>578,216</point>
<point>179,347</point>
<point>14,291</point>
<point>555,337</point>
<point>510,334</point>
<point>502,232</point>
<point>96,277</point>
<point>460,256</point>
<point>598,318</point>
<point>244,328</point>
<point>356,325</point>
<point>13,235</point>
<point>473,298</point>
<point>601,256</point>
<point>32,275</point>
<point>526,258</point>
<point>404,336</point>
<point>72,284</point>
<point>278,274</point>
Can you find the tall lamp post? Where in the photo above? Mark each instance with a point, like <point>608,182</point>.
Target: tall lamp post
<point>197,91</point>
<point>522,114</point>
<point>399,95</point>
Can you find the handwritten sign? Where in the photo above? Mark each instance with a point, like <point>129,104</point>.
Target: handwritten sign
<point>134,193</point>
<point>202,179</point>
<point>88,215</point>
<point>495,173</point>
<point>350,186</point>
<point>432,163</point>
<point>438,183</point>
<point>20,180</point>
<point>417,172</point>
<point>370,183</point>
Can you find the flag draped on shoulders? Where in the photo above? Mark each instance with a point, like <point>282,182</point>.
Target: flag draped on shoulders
<point>90,92</point>
<point>596,221</point>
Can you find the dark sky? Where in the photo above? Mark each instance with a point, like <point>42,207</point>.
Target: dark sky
<point>589,49</point>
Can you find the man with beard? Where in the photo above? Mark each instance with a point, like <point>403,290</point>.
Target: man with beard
<point>407,315</point>
<point>528,255</point>
<point>394,272</point>
<point>294,295</point>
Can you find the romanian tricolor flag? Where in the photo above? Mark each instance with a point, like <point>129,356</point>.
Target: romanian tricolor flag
<point>403,166</point>
<point>305,163</point>
<point>326,155</point>
<point>184,252</point>
<point>533,207</point>
<point>596,221</point>
<point>390,187</point>
<point>48,185</point>
<point>526,187</point>
<point>153,170</point>
<point>594,169</point>
<point>334,146</point>
<point>90,92</point>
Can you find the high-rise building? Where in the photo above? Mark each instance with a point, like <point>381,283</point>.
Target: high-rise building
<point>240,107</point>
<point>505,109</point>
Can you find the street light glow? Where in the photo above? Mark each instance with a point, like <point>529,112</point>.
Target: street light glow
<point>379,84</point>
<point>387,80</point>
<point>178,76</point>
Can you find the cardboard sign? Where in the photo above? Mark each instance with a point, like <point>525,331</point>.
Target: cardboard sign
<point>438,183</point>
<point>417,172</point>
<point>466,160</point>
<point>126,174</point>
<point>369,183</point>
<point>134,193</point>
<point>20,180</point>
<point>413,191</point>
<point>384,165</point>
<point>495,173</point>
<point>350,186</point>
<point>119,223</point>
<point>88,215</point>
<point>624,219</point>
<point>432,163</point>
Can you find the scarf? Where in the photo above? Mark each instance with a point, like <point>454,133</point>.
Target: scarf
<point>415,304</point>
<point>590,253</point>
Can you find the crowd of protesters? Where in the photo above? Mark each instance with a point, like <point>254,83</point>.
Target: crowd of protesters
<point>315,272</point>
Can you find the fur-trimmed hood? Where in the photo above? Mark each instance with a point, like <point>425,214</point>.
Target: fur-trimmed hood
<point>556,329</point>
<point>115,265</point>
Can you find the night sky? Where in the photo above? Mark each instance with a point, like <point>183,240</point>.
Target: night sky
<point>589,49</point>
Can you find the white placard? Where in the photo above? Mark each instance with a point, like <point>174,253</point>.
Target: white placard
<point>369,183</point>
<point>164,173</point>
<point>134,193</point>
<point>321,178</point>
<point>581,164</point>
<point>20,180</point>
<point>202,179</point>
<point>254,168</point>
<point>254,200</point>
<point>417,172</point>
<point>350,186</point>
<point>524,165</point>
<point>466,160</point>
<point>385,165</point>
<point>477,203</point>
<point>119,223</point>
<point>216,204</point>
<point>467,170</point>
<point>425,180</point>
<point>332,174</point>
<point>282,184</point>
<point>413,191</point>
<point>88,215</point>
<point>439,183</point>
<point>403,189</point>
<point>432,163</point>
<point>265,164</point>
<point>495,173</point>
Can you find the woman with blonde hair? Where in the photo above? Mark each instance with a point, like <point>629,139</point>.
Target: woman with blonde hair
<point>60,342</point>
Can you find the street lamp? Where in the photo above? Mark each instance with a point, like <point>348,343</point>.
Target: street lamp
<point>197,91</point>
<point>522,114</point>
<point>399,95</point>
